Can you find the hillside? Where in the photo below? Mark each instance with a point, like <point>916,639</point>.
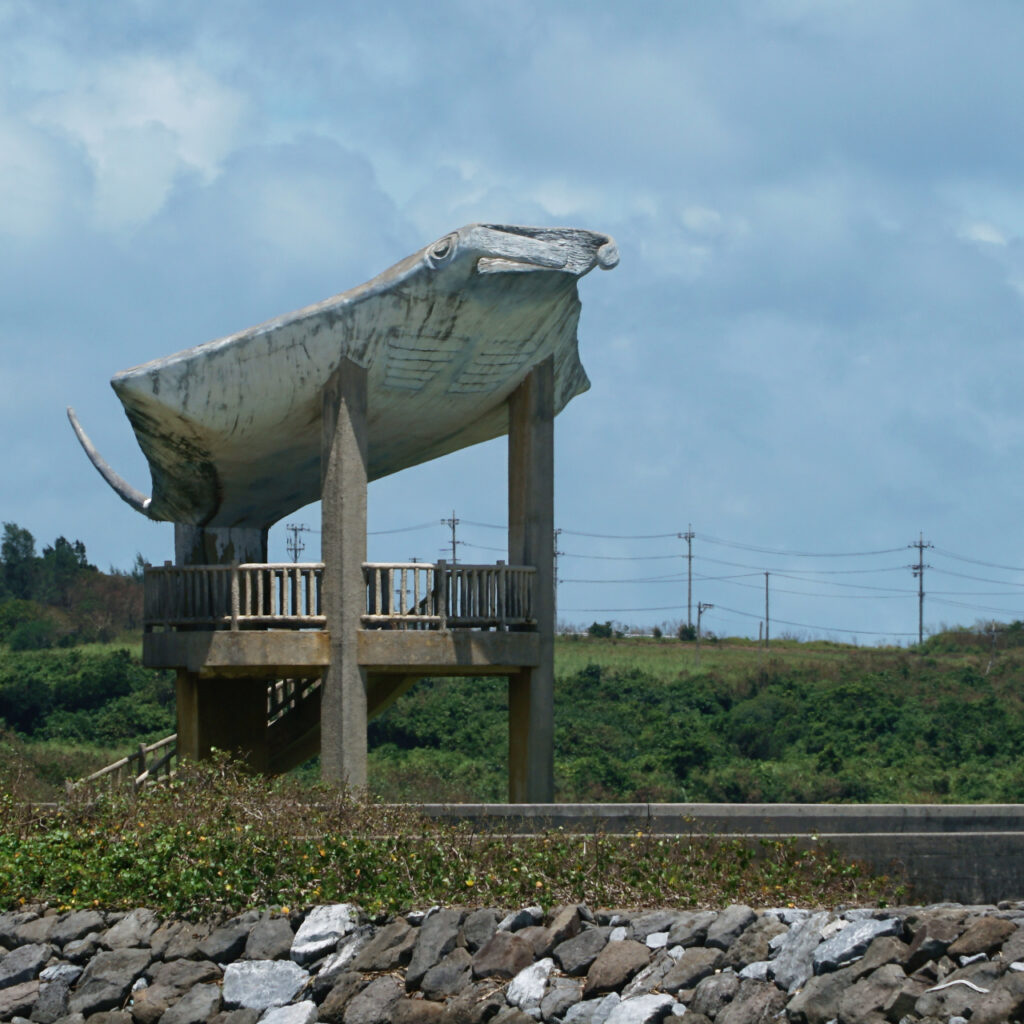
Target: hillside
<point>636,719</point>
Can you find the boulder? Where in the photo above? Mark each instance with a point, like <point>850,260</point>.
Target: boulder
<point>648,1009</point>
<point>865,999</point>
<point>592,1011</point>
<point>614,966</point>
<point>504,956</point>
<point>562,993</point>
<point>107,980</point>
<point>227,942</point>
<point>713,993</point>
<point>374,1003</point>
<point>260,984</point>
<point>794,958</point>
<point>269,939</point>
<point>197,1006</point>
<point>728,926</point>
<point>852,942</point>
<point>318,935</point>
<point>756,1002</point>
<point>52,1004</point>
<point>527,988</point>
<point>389,948</point>
<point>297,1013</point>
<point>985,935</point>
<point>133,931</point>
<point>691,927</point>
<point>436,938</point>
<point>478,928</point>
<point>449,977</point>
<point>24,963</point>
<point>575,955</point>
<point>691,968</point>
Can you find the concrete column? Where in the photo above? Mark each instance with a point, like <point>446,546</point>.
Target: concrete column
<point>531,541</point>
<point>343,461</point>
<point>226,714</point>
<point>219,545</point>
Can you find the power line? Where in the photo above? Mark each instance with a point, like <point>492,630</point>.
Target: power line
<point>795,554</point>
<point>975,561</point>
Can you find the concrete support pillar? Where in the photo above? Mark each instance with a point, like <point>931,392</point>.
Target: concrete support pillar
<point>219,545</point>
<point>531,537</point>
<point>223,714</point>
<point>343,539</point>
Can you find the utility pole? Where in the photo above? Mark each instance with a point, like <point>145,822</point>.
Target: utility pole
<point>767,621</point>
<point>452,523</point>
<point>555,575</point>
<point>295,544</point>
<point>688,537</point>
<point>701,609</point>
<point>918,571</point>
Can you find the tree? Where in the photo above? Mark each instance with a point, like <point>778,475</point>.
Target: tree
<point>58,569</point>
<point>18,561</point>
<point>601,630</point>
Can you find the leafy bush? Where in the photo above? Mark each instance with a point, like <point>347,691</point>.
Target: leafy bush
<point>36,635</point>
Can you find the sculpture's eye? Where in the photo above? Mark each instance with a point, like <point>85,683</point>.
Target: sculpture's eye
<point>442,250</point>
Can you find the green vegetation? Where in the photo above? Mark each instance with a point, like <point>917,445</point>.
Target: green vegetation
<point>216,840</point>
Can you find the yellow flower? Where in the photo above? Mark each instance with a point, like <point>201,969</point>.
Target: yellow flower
<point>470,882</point>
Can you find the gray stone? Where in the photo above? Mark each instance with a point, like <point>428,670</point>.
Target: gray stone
<point>691,968</point>
<point>757,971</point>
<point>619,933</point>
<point>389,948</point>
<point>373,1004</point>
<point>476,1004</point>
<point>10,923</point>
<point>526,989</point>
<point>185,943</point>
<point>728,926</point>
<point>132,932</point>
<point>478,928</point>
<point>575,955</point>
<point>504,956</point>
<point>320,932</point>
<point>52,1003</point>
<point>654,921</point>
<point>259,984</point>
<point>449,977</point>
<point>614,966</point>
<point>332,1009</point>
<point>436,938</point>
<point>521,919</point>
<point>869,996</point>
<point>297,1013</point>
<point>18,1000</point>
<point>197,1006</point>
<point>109,1017</point>
<point>270,939</point>
<point>651,977</point>
<point>930,942</point>
<point>36,931</point>
<point>566,923</point>
<point>563,993</point>
<point>417,1011</point>
<point>691,928</point>
<point>237,1017</point>
<point>227,942</point>
<point>75,925</point>
<point>757,1002</point>
<point>178,976</point>
<point>956,998</point>
<point>714,993</point>
<point>852,942</point>
<point>24,963</point>
<point>61,972</point>
<point>1005,1001</point>
<point>647,1009</point>
<point>83,949</point>
<point>985,935</point>
<point>818,1001</point>
<point>794,960</point>
<point>592,1011</point>
<point>754,943</point>
<point>107,980</point>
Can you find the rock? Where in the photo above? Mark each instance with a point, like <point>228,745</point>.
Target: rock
<point>417,1011</point>
<point>504,956</point>
<point>648,1009</point>
<point>619,933</point>
<point>985,935</point>
<point>449,977</point>
<point>863,1000</point>
<point>107,980</point>
<point>654,921</point>
<point>435,939</point>
<point>332,1009</point>
<point>566,923</point>
<point>818,1001</point>
<point>36,931</point>
<point>52,1003</point>
<point>886,949</point>
<point>270,939</point>
<point>478,928</point>
<point>757,971</point>
<point>754,943</point>
<point>132,932</point>
<point>575,955</point>
<point>237,1017</point>
<point>614,966</point>
<point>80,950</point>
<point>373,1004</point>
<point>691,968</point>
<point>227,943</point>
<point>185,943</point>
<point>74,926</point>
<point>389,948</point>
<point>852,942</point>
<point>756,1002</point>
<point>259,984</point>
<point>727,927</point>
<point>526,990</point>
<point>475,1004</point>
<point>10,923</point>
<point>563,993</point>
<point>713,993</point>
<point>107,1017</point>
<point>930,942</point>
<point>18,1000</point>
<point>651,977</point>
<point>320,932</point>
<point>521,919</point>
<point>197,1006</point>
<point>954,998</point>
<point>794,960</point>
<point>297,1013</point>
<point>1004,1002</point>
<point>170,982</point>
<point>24,963</point>
<point>592,1011</point>
<point>536,936</point>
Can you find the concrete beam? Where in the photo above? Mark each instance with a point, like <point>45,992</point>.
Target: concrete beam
<point>343,539</point>
<point>263,654</point>
<point>451,653</point>
<point>531,536</point>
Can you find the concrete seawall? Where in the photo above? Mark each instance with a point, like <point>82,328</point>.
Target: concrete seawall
<point>968,853</point>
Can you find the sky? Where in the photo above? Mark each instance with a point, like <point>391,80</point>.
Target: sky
<point>810,355</point>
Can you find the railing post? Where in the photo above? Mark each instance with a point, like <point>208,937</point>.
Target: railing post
<point>502,583</point>
<point>441,586</point>
<point>236,597</point>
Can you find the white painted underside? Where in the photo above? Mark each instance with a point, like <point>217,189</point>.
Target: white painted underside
<point>231,428</point>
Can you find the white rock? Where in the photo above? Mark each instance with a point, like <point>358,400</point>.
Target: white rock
<point>320,932</point>
<point>758,970</point>
<point>618,934</point>
<point>834,927</point>
<point>526,989</point>
<point>260,984</point>
<point>657,940</point>
<point>297,1013</point>
<point>676,952</point>
<point>592,1011</point>
<point>641,1009</point>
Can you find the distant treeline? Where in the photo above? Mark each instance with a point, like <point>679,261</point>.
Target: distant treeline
<point>58,599</point>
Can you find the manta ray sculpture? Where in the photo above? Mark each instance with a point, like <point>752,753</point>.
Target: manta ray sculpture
<point>231,429</point>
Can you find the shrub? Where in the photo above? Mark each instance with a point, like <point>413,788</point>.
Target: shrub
<point>35,635</point>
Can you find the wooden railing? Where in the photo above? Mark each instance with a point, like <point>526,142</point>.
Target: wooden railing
<point>147,764</point>
<point>399,595</point>
<point>418,595</point>
<point>284,595</point>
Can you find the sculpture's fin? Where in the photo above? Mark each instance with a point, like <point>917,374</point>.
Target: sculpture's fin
<point>121,487</point>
